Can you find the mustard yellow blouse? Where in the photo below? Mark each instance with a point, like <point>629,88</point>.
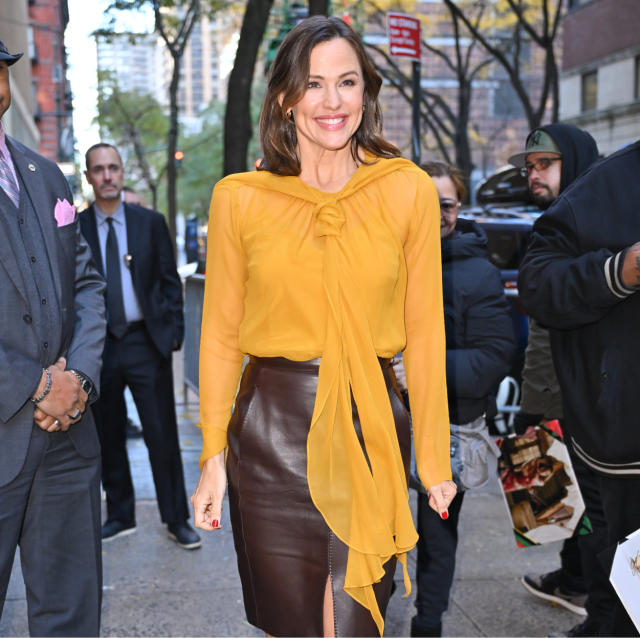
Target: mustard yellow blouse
<point>296,272</point>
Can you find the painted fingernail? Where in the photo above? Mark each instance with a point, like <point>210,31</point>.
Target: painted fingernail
<point>215,523</point>
<point>444,515</point>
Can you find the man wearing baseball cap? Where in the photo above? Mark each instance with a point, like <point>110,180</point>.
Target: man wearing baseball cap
<point>52,331</point>
<point>554,157</point>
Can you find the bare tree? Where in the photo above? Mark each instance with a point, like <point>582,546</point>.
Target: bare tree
<point>539,21</point>
<point>449,124</point>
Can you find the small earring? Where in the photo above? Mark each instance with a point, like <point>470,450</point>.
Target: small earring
<point>290,114</point>
<point>363,108</point>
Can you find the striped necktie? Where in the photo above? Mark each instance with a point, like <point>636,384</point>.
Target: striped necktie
<point>7,180</point>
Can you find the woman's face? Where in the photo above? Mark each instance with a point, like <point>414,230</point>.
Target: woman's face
<point>331,110</point>
<point>449,204</point>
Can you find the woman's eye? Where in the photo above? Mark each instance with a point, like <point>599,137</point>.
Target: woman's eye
<point>312,85</point>
<point>349,83</point>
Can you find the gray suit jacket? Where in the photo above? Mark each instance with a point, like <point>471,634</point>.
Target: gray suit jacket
<point>80,323</point>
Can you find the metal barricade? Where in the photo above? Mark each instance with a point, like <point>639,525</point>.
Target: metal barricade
<point>193,299</point>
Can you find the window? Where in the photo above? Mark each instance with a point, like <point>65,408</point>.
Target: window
<point>506,102</point>
<point>589,90</point>
<point>574,4</point>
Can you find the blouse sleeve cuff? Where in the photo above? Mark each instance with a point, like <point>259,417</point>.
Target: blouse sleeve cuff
<point>214,441</point>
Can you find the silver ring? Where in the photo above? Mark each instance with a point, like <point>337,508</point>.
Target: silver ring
<point>56,422</point>
<point>77,413</point>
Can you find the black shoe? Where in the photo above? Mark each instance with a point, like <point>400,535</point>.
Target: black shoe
<point>548,587</point>
<point>421,627</point>
<point>113,529</point>
<point>585,628</point>
<point>184,535</point>
<point>132,430</point>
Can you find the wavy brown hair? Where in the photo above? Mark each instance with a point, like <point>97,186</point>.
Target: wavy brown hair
<point>288,82</point>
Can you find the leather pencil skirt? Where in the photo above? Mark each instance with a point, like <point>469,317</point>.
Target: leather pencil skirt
<point>285,549</point>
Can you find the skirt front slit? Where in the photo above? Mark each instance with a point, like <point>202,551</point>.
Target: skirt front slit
<point>285,549</point>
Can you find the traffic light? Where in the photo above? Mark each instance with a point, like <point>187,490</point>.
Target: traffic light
<point>178,156</point>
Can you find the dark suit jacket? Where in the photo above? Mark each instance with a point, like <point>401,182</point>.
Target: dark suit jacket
<point>153,270</point>
<point>81,321</point>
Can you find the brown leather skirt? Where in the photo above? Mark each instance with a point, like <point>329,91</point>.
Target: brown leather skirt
<point>285,549</point>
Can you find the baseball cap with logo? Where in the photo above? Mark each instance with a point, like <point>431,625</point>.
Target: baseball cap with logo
<point>538,141</point>
<point>7,57</point>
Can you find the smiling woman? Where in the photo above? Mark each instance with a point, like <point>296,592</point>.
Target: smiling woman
<point>320,267</point>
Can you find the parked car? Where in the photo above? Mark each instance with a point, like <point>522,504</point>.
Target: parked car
<point>506,213</point>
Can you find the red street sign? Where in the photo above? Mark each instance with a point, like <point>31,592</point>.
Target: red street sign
<point>404,35</point>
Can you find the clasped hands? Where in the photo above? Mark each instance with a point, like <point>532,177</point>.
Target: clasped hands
<point>65,403</point>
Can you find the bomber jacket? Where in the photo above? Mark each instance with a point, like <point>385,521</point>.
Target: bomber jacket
<point>479,331</point>
<point>570,281</point>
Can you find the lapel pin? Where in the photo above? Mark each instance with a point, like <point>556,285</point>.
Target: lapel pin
<point>32,168</point>
<point>127,260</point>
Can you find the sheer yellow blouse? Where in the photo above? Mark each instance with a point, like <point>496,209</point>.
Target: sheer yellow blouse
<point>351,276</point>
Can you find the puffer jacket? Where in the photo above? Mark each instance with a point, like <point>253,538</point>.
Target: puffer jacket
<point>479,332</point>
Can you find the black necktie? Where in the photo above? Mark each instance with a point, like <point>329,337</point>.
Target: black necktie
<point>116,319</point>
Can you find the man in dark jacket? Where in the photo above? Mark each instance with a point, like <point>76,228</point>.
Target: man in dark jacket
<point>145,323</point>
<point>554,157</point>
<point>580,278</point>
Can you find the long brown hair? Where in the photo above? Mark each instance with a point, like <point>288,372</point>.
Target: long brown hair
<point>288,82</point>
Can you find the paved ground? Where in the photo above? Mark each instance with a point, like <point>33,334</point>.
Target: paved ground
<point>154,588</point>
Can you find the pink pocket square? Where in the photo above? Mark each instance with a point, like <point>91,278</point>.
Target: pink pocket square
<point>65,213</point>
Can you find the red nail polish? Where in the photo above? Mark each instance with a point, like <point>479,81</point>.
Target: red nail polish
<point>215,523</point>
<point>444,515</point>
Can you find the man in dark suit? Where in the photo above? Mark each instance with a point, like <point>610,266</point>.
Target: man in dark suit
<point>52,328</point>
<point>145,323</point>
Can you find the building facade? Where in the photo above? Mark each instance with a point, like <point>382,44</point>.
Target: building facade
<point>53,109</point>
<point>141,62</point>
<point>16,34</point>
<point>497,125</point>
<point>600,83</point>
<point>134,60</point>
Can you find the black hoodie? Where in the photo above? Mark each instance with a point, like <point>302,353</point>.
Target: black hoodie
<point>570,281</point>
<point>578,148</point>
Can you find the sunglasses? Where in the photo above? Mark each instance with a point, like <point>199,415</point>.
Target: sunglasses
<point>449,205</point>
<point>541,164</point>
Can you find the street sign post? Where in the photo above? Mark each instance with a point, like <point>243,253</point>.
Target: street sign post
<point>404,42</point>
<point>404,36</point>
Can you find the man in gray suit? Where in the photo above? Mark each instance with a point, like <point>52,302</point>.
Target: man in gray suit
<point>52,330</point>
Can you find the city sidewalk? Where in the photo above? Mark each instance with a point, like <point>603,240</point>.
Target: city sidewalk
<point>154,588</point>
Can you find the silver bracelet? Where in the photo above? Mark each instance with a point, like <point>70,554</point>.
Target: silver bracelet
<point>46,390</point>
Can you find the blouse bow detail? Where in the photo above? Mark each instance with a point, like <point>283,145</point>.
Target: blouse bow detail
<point>329,218</point>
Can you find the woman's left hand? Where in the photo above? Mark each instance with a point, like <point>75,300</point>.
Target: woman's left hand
<point>440,497</point>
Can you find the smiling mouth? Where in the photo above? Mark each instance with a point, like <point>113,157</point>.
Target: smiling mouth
<point>331,122</point>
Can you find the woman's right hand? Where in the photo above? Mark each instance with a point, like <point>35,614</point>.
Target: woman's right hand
<point>208,495</point>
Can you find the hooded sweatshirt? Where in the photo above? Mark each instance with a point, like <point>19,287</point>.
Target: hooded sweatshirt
<point>578,148</point>
<point>570,281</point>
<point>540,389</point>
